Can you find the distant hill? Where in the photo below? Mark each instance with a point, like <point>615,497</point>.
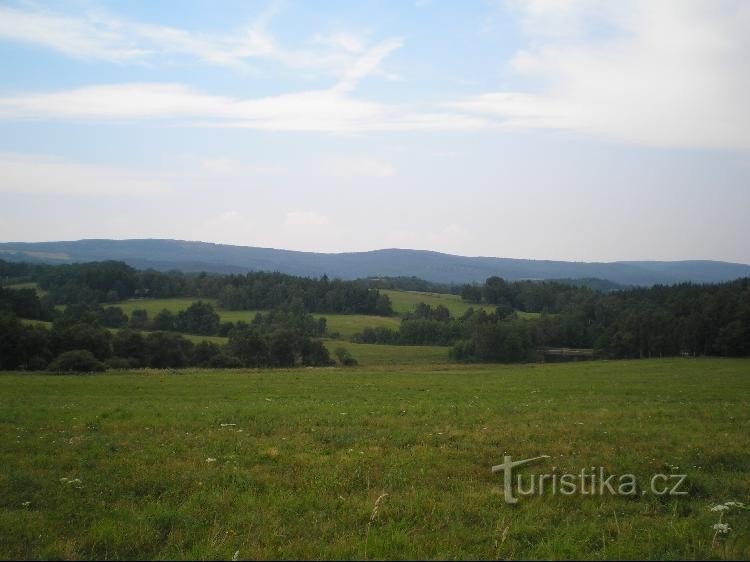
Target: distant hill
<point>431,266</point>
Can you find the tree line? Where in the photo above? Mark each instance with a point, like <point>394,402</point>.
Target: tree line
<point>82,338</point>
<point>112,281</point>
<point>684,319</point>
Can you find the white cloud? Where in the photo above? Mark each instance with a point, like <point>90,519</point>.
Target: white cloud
<point>229,227</point>
<point>331,110</point>
<point>84,38</point>
<point>666,74</point>
<point>342,40</point>
<point>357,168</point>
<point>305,221</point>
<point>102,36</point>
<point>221,166</point>
<point>25,174</point>
<point>367,64</point>
<point>452,238</point>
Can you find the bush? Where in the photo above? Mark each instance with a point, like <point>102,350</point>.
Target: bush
<point>225,361</point>
<point>139,319</point>
<point>315,354</point>
<point>37,363</point>
<point>167,350</point>
<point>77,360</point>
<point>345,357</point>
<point>119,363</point>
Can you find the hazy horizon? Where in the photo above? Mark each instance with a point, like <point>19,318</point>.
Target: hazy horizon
<point>334,252</point>
<point>572,131</point>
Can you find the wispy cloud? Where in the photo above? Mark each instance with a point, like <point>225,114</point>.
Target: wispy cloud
<point>331,110</point>
<point>33,175</point>
<point>347,41</point>
<point>666,74</point>
<point>367,64</point>
<point>357,168</point>
<point>102,36</point>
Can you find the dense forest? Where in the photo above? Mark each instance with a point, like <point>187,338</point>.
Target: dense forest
<point>88,335</point>
<point>510,322</point>
<point>80,339</point>
<point>112,281</point>
<point>685,319</point>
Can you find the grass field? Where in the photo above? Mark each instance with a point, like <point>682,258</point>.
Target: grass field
<point>346,325</point>
<point>286,464</point>
<point>365,354</point>
<point>29,285</point>
<point>155,306</point>
<point>370,354</point>
<point>405,301</point>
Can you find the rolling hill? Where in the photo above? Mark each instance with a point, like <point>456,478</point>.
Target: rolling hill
<point>432,266</point>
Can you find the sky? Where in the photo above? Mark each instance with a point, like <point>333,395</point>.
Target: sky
<point>571,129</point>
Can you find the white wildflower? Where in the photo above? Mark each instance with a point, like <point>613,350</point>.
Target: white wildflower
<point>65,480</point>
<point>210,459</point>
<point>720,507</point>
<point>236,556</point>
<point>734,504</point>
<point>723,528</point>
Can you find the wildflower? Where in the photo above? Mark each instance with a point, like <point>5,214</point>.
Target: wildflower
<point>228,424</point>
<point>720,507</point>
<point>209,459</point>
<point>722,528</point>
<point>65,480</point>
<point>734,504</point>
<point>236,556</point>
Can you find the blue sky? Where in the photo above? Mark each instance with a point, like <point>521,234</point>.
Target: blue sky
<point>576,130</point>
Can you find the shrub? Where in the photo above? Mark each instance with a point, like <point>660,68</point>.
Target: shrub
<point>225,361</point>
<point>121,363</point>
<point>77,360</point>
<point>345,357</point>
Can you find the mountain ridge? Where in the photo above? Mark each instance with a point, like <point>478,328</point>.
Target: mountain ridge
<point>196,256</point>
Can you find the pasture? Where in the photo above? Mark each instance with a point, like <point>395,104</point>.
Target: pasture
<point>292,463</point>
<point>345,325</point>
<point>405,301</point>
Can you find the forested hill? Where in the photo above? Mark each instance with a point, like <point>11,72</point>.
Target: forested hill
<point>431,266</point>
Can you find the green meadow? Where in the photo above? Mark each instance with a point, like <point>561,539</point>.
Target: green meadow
<point>406,301</point>
<point>344,325</point>
<point>338,325</point>
<point>372,462</point>
<point>366,354</point>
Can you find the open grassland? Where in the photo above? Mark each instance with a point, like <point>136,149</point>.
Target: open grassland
<point>346,325</point>
<point>29,285</point>
<point>366,354</point>
<point>155,306</point>
<point>288,464</point>
<point>370,354</point>
<point>405,301</point>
